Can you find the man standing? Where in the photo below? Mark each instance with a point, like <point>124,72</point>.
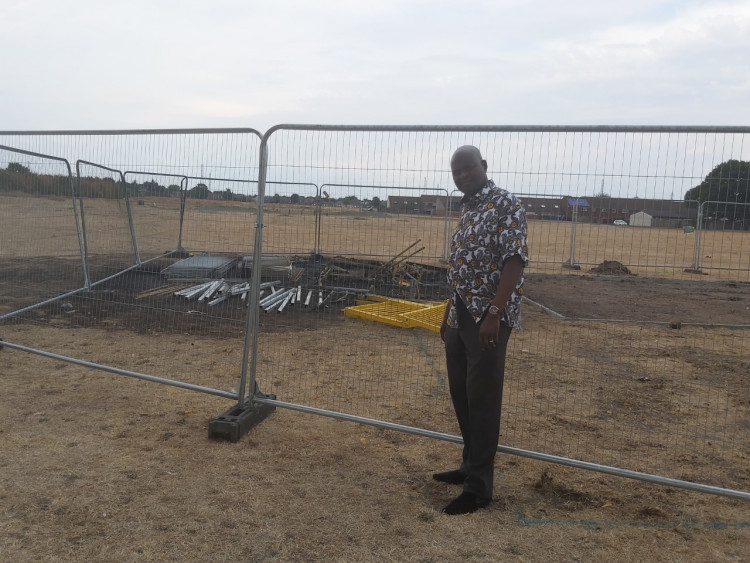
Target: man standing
<point>488,255</point>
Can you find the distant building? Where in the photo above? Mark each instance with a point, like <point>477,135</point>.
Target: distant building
<point>547,209</point>
<point>607,210</point>
<point>604,210</point>
<point>670,214</point>
<point>402,204</point>
<point>641,219</point>
<point>425,204</point>
<point>590,209</point>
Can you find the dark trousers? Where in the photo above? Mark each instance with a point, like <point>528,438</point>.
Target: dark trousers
<point>476,384</point>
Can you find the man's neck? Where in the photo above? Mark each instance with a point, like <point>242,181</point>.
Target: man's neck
<point>467,197</point>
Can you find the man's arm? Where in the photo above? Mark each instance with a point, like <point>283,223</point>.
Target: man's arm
<point>509,278</point>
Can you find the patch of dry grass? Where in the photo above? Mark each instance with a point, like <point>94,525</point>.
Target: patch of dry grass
<point>34,226</point>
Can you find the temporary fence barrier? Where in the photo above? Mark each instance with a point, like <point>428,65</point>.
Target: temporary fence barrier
<point>94,253</point>
<point>583,386</point>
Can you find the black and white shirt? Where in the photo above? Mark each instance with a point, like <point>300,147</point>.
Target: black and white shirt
<point>491,229</point>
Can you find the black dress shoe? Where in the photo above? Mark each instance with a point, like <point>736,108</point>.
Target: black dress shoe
<point>454,477</point>
<point>465,503</point>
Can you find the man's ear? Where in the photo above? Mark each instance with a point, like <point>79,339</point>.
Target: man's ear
<point>484,165</point>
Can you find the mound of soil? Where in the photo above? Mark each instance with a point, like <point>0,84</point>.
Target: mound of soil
<point>611,268</point>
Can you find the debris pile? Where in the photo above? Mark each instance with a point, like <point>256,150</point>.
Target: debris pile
<point>611,268</point>
<point>272,296</point>
<point>396,277</point>
<point>218,291</point>
<point>200,266</point>
<point>312,281</point>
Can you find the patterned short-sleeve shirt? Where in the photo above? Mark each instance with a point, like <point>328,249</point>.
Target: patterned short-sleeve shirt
<point>491,229</point>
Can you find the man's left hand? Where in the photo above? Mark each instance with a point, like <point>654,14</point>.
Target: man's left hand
<point>489,332</point>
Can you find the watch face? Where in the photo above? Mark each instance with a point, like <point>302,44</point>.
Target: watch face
<point>494,310</point>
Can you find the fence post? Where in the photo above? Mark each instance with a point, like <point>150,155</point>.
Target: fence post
<point>183,198</point>
<point>571,262</point>
<point>237,421</point>
<point>131,223</point>
<point>318,219</point>
<point>696,267</point>
<point>446,230</point>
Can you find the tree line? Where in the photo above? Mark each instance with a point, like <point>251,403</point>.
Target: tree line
<point>728,187</point>
<point>19,178</point>
<point>728,183</point>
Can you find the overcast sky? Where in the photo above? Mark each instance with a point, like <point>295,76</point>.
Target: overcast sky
<point>224,63</point>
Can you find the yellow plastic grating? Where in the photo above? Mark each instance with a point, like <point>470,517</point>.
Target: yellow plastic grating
<point>382,299</point>
<point>389,312</point>
<point>430,317</point>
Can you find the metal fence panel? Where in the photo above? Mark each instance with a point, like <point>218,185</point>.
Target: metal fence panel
<point>110,241</point>
<point>41,237</point>
<point>630,381</point>
<point>146,202</point>
<point>643,372</point>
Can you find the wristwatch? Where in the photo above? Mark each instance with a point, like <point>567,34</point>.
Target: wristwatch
<point>493,310</point>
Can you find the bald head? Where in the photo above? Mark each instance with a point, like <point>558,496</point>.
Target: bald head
<point>467,149</point>
<point>469,169</point>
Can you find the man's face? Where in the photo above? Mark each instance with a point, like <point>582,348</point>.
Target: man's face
<point>469,172</point>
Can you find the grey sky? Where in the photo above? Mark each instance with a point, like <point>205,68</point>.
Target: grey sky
<point>150,64</point>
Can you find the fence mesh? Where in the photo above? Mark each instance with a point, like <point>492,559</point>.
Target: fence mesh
<point>633,347</point>
<point>144,203</point>
<point>626,357</point>
<point>38,211</point>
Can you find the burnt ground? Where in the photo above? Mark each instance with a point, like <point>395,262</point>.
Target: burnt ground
<point>133,300</point>
<point>143,300</point>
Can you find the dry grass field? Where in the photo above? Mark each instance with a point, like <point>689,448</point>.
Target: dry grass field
<point>46,227</point>
<point>101,467</point>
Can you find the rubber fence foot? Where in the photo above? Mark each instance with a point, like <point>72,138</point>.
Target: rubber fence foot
<point>233,424</point>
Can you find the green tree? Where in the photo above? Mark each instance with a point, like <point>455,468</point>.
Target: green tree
<point>294,199</point>
<point>200,191</point>
<point>18,168</point>
<point>152,187</point>
<point>276,198</point>
<point>729,185</point>
<point>376,203</point>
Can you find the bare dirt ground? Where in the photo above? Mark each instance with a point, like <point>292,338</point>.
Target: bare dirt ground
<point>641,299</point>
<point>98,467</point>
<point>102,467</point>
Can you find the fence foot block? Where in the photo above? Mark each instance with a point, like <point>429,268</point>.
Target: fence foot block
<point>236,422</point>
